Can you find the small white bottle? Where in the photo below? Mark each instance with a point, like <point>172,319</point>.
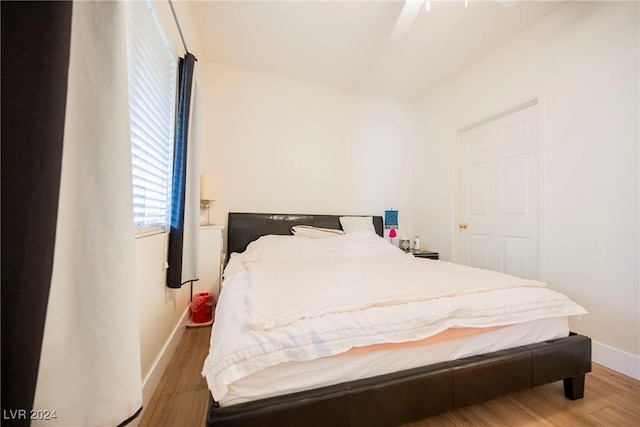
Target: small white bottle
<point>416,244</point>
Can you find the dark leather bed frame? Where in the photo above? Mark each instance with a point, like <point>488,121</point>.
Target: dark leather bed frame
<point>405,396</point>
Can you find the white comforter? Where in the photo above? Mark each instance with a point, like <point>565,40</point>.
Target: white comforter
<point>289,277</point>
<point>314,314</point>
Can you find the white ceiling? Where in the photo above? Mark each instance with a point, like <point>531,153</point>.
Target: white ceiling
<point>346,44</point>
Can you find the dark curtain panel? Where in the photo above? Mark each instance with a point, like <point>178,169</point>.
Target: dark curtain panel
<point>176,234</point>
<point>35,62</point>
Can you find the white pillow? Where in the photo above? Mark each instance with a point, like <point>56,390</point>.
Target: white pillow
<point>357,223</point>
<point>315,232</point>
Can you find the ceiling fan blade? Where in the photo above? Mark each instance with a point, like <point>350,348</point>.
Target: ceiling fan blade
<point>405,20</point>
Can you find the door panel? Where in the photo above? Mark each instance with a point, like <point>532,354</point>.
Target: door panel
<point>480,188</point>
<point>479,250</point>
<point>515,185</point>
<point>498,198</point>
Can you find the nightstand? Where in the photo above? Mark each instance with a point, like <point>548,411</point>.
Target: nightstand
<point>424,254</point>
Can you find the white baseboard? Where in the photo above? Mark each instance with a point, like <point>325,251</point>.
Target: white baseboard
<point>152,379</point>
<point>618,360</point>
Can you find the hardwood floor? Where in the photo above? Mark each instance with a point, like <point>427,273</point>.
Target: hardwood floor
<point>611,399</point>
<point>182,397</point>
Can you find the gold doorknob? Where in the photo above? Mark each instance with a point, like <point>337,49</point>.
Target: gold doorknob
<point>463,226</point>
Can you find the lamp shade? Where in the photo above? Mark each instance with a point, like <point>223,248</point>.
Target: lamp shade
<point>208,187</point>
<point>391,219</point>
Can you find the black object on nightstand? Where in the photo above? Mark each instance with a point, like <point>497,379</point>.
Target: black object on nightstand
<point>424,254</point>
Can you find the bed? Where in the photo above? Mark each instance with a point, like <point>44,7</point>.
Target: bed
<point>435,381</point>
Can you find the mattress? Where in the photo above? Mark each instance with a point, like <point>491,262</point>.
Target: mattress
<point>291,377</point>
<point>306,339</point>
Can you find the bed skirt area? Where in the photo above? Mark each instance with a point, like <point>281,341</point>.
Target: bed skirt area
<point>414,394</point>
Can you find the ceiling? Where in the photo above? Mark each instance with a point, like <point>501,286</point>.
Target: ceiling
<point>347,45</point>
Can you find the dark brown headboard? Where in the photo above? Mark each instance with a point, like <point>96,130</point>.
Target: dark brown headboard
<point>244,228</point>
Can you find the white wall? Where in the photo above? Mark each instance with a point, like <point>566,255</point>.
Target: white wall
<point>581,63</point>
<point>161,308</point>
<point>285,146</point>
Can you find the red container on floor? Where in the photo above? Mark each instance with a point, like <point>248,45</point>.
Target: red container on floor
<point>202,308</point>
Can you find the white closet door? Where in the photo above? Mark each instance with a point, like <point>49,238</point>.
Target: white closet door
<point>498,209</point>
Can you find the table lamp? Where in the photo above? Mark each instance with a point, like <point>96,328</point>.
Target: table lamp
<point>391,223</point>
<point>208,192</point>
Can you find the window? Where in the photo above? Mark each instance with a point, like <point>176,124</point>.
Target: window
<point>152,99</point>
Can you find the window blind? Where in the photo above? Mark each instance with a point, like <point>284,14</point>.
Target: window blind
<point>152,100</point>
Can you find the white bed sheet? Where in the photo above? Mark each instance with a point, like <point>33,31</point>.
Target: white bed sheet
<point>291,377</point>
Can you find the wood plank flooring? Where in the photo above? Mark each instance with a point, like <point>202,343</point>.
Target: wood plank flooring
<point>182,397</point>
<point>611,399</point>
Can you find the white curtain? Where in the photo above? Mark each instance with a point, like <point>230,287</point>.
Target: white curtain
<point>90,364</point>
<point>190,267</point>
